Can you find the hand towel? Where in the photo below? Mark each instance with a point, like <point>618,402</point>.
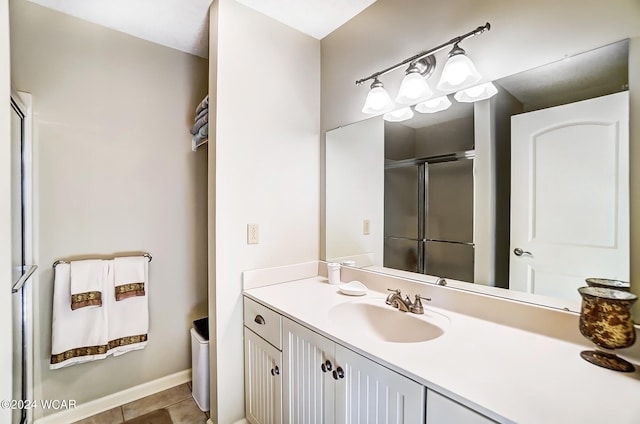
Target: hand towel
<point>87,282</point>
<point>128,317</point>
<point>203,104</point>
<point>76,336</point>
<point>129,276</point>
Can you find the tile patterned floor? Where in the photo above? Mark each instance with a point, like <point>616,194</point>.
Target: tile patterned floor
<point>177,400</point>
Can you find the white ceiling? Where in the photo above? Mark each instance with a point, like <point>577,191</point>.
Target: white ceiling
<point>184,24</point>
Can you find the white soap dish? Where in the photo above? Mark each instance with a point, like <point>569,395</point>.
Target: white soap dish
<point>353,288</point>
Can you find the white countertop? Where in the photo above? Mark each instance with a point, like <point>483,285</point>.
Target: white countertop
<point>508,374</point>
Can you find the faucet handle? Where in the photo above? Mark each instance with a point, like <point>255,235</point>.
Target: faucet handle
<point>441,281</point>
<point>417,307</point>
<point>395,292</point>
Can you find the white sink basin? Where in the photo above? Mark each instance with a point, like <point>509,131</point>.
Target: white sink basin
<point>372,318</point>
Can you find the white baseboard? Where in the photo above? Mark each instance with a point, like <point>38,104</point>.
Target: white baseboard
<point>116,399</point>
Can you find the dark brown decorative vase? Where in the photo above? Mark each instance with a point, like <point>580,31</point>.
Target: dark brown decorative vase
<point>605,319</point>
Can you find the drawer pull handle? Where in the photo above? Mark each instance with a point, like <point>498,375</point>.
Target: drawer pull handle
<point>258,319</point>
<point>275,371</point>
<point>326,366</point>
<point>338,374</point>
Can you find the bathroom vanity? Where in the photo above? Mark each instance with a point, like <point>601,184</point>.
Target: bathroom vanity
<point>315,355</point>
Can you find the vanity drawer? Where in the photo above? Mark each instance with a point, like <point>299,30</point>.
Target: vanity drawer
<point>263,321</point>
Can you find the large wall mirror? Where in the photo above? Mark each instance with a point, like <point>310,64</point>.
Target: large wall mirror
<point>523,195</point>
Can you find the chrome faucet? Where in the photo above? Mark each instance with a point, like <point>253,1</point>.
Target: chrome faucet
<point>405,305</point>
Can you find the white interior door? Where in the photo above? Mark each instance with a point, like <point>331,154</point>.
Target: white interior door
<point>570,196</point>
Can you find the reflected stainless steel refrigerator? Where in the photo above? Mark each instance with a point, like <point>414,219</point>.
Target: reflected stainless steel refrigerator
<point>428,216</point>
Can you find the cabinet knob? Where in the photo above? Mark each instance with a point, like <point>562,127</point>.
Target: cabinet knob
<point>275,371</point>
<point>258,319</point>
<point>326,366</point>
<point>338,374</point>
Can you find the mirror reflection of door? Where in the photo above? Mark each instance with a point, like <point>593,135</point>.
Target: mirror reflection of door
<point>570,196</point>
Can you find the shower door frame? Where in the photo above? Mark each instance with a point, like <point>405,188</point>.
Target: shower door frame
<point>23,102</point>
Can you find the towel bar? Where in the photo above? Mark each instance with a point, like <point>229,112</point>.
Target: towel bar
<point>62,261</point>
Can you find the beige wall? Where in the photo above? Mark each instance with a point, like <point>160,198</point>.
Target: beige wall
<point>523,35</point>
<point>266,170</point>
<point>114,173</point>
<point>5,215</point>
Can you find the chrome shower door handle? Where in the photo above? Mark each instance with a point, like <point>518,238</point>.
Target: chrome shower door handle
<point>519,252</point>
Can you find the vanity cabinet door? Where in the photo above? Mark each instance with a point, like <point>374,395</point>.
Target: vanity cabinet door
<point>308,384</point>
<point>442,410</point>
<point>368,393</point>
<point>262,380</point>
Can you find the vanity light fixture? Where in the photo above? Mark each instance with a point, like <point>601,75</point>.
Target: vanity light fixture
<point>433,105</point>
<point>459,72</point>
<point>378,100</point>
<point>414,87</point>
<point>399,115</point>
<point>479,92</point>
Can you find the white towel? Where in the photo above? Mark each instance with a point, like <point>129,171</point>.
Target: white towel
<point>87,282</point>
<point>129,316</point>
<point>130,276</point>
<point>76,336</point>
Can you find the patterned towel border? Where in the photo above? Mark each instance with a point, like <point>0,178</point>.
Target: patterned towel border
<point>82,300</point>
<point>96,350</point>
<point>125,291</point>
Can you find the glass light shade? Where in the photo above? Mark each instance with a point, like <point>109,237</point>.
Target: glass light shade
<point>458,72</point>
<point>378,101</point>
<point>479,92</point>
<point>399,115</point>
<point>413,89</point>
<point>433,105</point>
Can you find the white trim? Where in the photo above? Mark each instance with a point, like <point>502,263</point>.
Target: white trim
<point>116,399</point>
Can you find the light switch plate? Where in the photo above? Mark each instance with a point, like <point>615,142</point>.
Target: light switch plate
<point>366,227</point>
<point>252,233</point>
